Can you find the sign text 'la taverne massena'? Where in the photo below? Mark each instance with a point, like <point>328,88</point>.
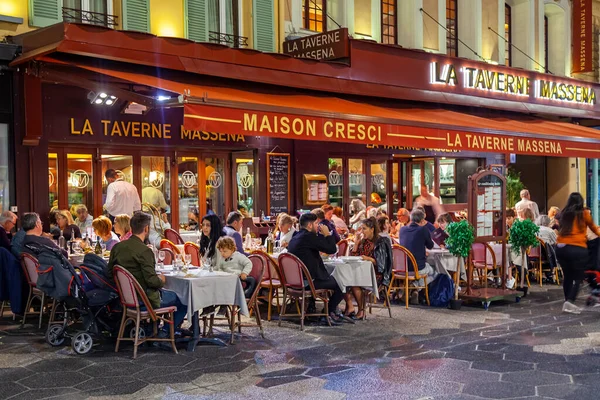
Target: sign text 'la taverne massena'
<point>511,84</point>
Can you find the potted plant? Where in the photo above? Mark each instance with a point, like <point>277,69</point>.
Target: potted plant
<point>522,236</point>
<point>461,236</point>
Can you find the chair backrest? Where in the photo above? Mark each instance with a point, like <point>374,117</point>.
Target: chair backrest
<point>173,236</point>
<point>479,252</point>
<point>271,268</point>
<point>30,265</point>
<point>130,291</point>
<point>539,251</point>
<point>194,250</point>
<point>258,271</point>
<point>291,271</point>
<point>404,260</point>
<point>167,244</point>
<point>169,256</point>
<point>342,248</point>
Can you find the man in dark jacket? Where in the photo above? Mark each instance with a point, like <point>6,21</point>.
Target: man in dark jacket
<point>234,224</point>
<point>416,238</point>
<point>306,245</point>
<point>137,258</point>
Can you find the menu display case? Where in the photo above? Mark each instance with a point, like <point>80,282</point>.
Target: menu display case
<point>315,189</point>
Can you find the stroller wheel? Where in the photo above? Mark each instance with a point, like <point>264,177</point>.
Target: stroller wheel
<point>82,343</point>
<point>55,335</point>
<point>142,333</point>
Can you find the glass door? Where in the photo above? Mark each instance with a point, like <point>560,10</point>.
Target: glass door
<point>378,193</point>
<point>244,175</point>
<point>215,181</point>
<point>187,193</point>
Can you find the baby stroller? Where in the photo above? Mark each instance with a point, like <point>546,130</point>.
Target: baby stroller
<point>89,306</point>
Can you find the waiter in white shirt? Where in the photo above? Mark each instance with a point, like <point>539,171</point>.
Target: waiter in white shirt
<point>526,203</point>
<point>121,197</point>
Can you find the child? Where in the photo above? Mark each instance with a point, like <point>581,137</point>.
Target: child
<point>234,262</point>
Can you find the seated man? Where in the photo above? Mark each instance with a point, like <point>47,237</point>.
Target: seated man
<point>138,259</point>
<point>306,245</point>
<point>234,225</point>
<point>416,238</point>
<point>34,234</point>
<point>8,220</point>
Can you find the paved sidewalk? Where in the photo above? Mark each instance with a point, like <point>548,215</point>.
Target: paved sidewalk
<point>513,350</point>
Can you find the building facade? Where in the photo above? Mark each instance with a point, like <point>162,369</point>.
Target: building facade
<point>401,55</point>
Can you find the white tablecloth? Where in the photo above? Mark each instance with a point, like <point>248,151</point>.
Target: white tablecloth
<point>512,257</point>
<point>189,236</point>
<point>353,273</point>
<point>443,262</point>
<point>208,289</point>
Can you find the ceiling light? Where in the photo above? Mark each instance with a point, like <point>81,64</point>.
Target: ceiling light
<point>113,97</point>
<point>109,102</point>
<point>98,101</point>
<point>102,95</point>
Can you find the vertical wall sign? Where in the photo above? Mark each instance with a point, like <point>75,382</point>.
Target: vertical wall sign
<point>582,36</point>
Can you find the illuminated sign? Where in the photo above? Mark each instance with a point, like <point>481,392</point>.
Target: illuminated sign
<point>510,84</point>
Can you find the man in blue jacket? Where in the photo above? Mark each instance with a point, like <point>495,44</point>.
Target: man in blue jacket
<point>307,246</point>
<point>417,238</point>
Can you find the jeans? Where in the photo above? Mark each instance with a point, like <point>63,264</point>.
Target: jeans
<point>573,260</point>
<point>250,285</point>
<point>337,296</point>
<point>168,299</point>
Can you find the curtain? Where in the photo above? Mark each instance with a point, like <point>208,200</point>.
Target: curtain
<point>214,15</point>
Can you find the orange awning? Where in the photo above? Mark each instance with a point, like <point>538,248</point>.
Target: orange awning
<point>287,114</point>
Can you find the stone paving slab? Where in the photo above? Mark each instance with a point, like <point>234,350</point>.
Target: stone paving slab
<point>524,350</point>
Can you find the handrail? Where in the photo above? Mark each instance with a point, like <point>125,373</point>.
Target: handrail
<point>227,39</point>
<point>89,17</point>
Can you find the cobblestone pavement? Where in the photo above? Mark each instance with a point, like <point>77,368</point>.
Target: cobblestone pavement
<point>524,350</point>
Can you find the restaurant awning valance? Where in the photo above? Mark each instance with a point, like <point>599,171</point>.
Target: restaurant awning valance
<point>294,115</point>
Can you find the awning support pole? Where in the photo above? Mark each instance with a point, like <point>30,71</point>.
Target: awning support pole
<point>594,201</point>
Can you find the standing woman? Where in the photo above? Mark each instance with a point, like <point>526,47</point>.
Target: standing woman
<point>572,252</point>
<point>212,231</point>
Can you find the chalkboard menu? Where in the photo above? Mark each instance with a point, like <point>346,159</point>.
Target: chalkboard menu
<point>278,196</point>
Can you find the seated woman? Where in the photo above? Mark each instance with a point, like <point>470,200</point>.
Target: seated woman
<point>122,227</point>
<point>286,230</point>
<point>212,231</point>
<point>66,225</point>
<point>443,220</point>
<point>103,229</point>
<point>234,262</point>
<point>365,248</point>
<point>549,237</point>
<point>338,220</point>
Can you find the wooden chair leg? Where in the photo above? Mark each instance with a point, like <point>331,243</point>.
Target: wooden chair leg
<point>406,293</point>
<point>283,307</point>
<point>42,304</point>
<point>121,330</point>
<point>270,297</point>
<point>136,340</point>
<point>259,320</point>
<point>277,300</point>
<point>301,312</point>
<point>172,331</point>
<point>426,290</point>
<point>27,306</point>
<point>388,302</point>
<point>232,317</point>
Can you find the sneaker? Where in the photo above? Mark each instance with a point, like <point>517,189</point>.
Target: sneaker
<point>571,308</point>
<point>510,283</point>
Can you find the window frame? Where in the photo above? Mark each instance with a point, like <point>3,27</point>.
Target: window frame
<point>508,42</point>
<point>236,18</point>
<point>306,5</point>
<point>395,19</point>
<point>452,5</point>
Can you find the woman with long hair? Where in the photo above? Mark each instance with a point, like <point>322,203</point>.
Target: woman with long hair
<point>572,251</point>
<point>212,231</point>
<point>66,225</point>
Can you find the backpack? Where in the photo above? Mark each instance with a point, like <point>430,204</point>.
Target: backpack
<point>441,291</point>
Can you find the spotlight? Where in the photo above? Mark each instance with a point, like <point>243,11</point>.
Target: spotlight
<point>101,98</point>
<point>162,98</point>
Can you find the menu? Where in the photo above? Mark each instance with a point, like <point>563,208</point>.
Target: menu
<point>278,170</point>
<point>489,206</point>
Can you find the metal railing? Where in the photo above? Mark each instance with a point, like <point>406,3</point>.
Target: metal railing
<point>228,39</point>
<point>89,17</point>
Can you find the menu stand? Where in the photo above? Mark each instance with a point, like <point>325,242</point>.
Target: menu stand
<point>487,214</point>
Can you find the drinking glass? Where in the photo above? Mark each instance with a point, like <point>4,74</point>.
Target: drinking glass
<point>161,258</point>
<point>103,246</point>
<point>188,259</point>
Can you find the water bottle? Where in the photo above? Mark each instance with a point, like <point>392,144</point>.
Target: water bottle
<point>61,241</point>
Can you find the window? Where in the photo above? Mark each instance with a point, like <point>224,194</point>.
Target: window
<point>4,175</point>
<point>335,178</point>
<point>508,35</point>
<point>156,183</point>
<point>389,27</point>
<point>451,28</point>
<point>224,22</point>
<point>80,181</point>
<point>314,15</point>
<point>96,12</point>
<point>245,177</point>
<point>546,58</point>
<point>189,210</point>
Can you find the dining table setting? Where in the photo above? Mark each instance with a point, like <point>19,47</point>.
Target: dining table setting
<point>200,289</point>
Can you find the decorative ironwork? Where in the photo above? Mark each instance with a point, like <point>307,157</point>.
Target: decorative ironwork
<point>228,39</point>
<point>89,17</point>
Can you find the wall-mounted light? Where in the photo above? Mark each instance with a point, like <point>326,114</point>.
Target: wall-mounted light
<point>101,98</point>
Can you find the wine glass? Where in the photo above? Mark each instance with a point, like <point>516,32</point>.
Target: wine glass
<point>188,259</point>
<point>161,258</point>
<point>103,246</point>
